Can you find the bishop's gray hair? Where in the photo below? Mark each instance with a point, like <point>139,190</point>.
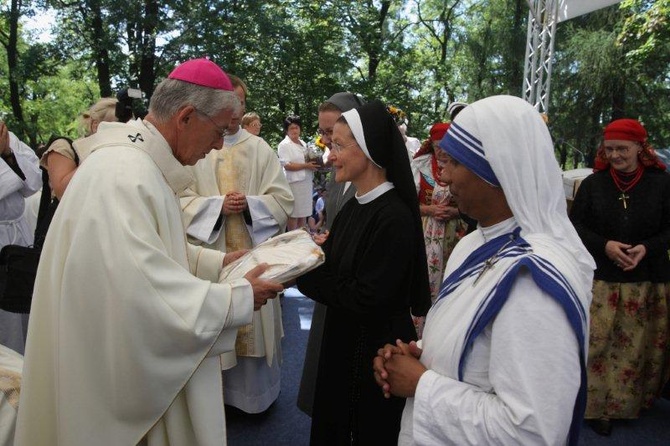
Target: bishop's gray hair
<point>171,95</point>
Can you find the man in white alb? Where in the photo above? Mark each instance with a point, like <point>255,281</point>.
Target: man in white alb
<point>241,198</point>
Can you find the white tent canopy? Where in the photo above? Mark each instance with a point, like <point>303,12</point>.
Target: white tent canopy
<point>569,9</point>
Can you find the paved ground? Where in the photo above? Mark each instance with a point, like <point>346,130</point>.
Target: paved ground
<point>284,424</point>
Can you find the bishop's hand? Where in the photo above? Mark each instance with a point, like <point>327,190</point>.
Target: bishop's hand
<point>263,289</point>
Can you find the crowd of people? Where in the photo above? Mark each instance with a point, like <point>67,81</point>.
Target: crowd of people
<point>458,303</point>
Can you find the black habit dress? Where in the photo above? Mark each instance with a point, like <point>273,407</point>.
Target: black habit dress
<point>365,283</point>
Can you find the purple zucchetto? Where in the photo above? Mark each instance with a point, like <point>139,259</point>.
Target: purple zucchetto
<point>202,72</point>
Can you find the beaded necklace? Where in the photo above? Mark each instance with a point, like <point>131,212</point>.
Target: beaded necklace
<point>625,182</point>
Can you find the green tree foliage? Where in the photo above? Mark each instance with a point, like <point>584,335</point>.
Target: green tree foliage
<point>419,55</point>
<point>610,64</point>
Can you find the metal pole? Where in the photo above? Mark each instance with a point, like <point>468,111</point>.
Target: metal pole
<point>542,20</point>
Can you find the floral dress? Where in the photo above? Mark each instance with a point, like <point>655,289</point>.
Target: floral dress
<point>440,238</point>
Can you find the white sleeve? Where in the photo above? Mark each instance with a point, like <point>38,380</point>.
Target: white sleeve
<point>29,164</point>
<point>203,222</point>
<point>284,154</point>
<point>534,373</point>
<point>263,223</point>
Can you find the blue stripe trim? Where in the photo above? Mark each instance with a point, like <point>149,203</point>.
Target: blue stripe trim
<point>468,150</point>
<point>549,279</point>
<point>474,263</point>
<point>468,139</point>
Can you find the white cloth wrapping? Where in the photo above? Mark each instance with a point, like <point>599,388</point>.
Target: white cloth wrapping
<point>11,364</point>
<point>522,372</point>
<point>288,255</point>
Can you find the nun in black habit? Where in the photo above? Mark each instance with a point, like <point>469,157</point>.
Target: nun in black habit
<point>374,275</point>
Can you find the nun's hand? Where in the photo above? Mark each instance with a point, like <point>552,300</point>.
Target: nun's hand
<point>321,238</point>
<point>379,368</point>
<point>398,376</point>
<point>404,372</point>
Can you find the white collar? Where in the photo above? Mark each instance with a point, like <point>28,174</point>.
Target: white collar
<point>231,139</point>
<point>374,193</point>
<point>498,229</point>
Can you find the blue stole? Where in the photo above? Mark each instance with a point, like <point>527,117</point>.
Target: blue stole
<point>545,275</point>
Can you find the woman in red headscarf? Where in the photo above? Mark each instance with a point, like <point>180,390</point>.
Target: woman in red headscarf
<point>442,226</point>
<point>622,214</point>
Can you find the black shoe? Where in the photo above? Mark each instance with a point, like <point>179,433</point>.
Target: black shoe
<point>601,426</point>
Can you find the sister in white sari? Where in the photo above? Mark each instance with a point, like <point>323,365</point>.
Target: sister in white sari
<point>502,360</point>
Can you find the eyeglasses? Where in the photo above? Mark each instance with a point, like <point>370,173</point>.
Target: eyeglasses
<point>338,147</point>
<point>220,130</point>
<point>623,150</point>
<point>323,132</point>
<point>256,124</point>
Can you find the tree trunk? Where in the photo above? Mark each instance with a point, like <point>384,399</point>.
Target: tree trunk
<point>375,47</point>
<point>518,44</point>
<point>147,77</point>
<point>100,40</point>
<point>12,63</point>
<point>619,100</point>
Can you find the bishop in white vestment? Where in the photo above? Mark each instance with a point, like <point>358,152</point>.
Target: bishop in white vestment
<point>128,320</point>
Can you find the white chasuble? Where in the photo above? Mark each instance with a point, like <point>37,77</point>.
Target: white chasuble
<point>124,340</point>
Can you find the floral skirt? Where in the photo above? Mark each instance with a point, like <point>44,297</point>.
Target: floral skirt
<point>629,352</point>
<point>440,238</point>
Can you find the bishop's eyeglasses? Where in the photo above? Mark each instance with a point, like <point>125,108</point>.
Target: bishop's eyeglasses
<point>220,130</point>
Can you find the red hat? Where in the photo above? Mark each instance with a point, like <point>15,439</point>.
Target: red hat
<point>437,131</point>
<point>625,130</point>
<point>202,72</point>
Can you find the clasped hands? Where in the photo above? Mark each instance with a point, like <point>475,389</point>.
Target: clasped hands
<point>234,203</point>
<point>442,212</point>
<point>397,369</point>
<point>625,256</point>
